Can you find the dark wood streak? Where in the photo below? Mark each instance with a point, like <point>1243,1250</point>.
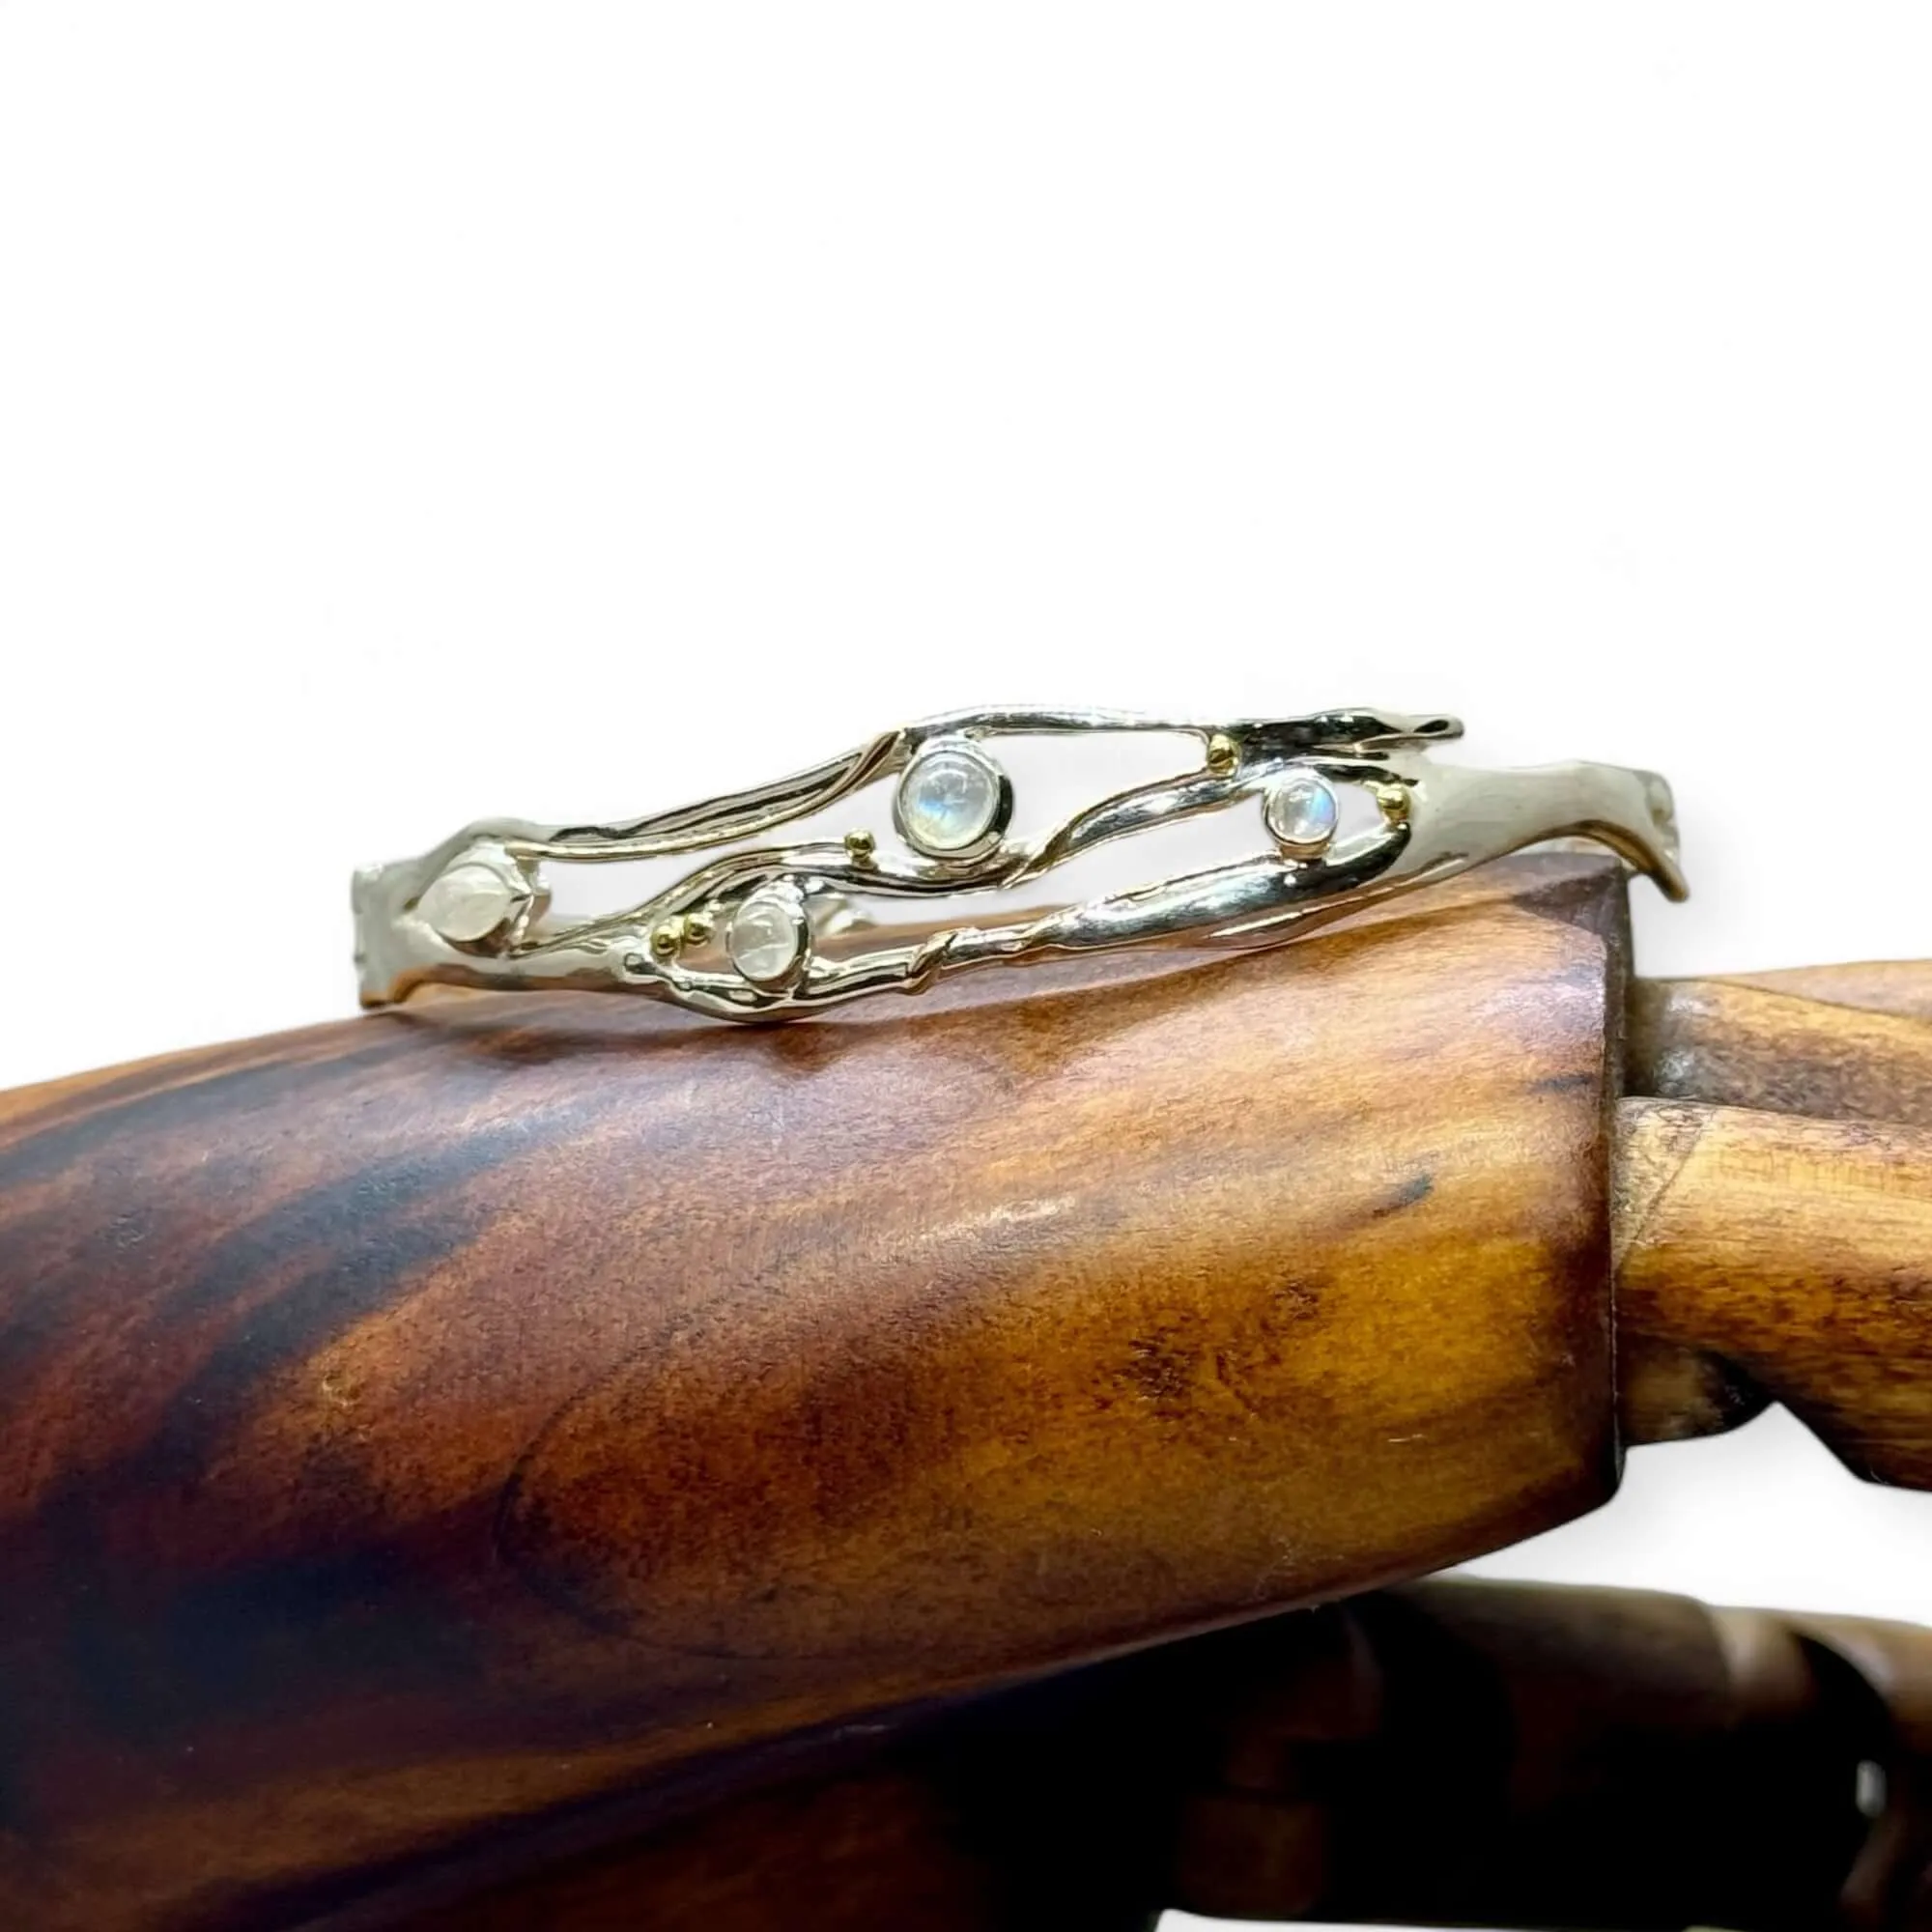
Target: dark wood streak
<point>1417,1187</point>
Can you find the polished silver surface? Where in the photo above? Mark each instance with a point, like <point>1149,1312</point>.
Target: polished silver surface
<point>476,912</point>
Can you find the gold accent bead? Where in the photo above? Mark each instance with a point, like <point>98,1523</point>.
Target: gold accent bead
<point>667,938</point>
<point>1223,753</point>
<point>697,927</point>
<point>1393,800</point>
<point>861,847</point>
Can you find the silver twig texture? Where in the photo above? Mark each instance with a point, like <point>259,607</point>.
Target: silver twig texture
<point>765,931</point>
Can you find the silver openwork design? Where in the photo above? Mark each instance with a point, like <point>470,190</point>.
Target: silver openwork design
<point>1346,808</point>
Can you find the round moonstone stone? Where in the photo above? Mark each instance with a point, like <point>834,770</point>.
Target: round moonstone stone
<point>1301,811</point>
<point>469,901</point>
<point>767,937</point>
<point>948,800</point>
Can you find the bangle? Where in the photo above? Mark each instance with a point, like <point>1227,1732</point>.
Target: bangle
<point>1346,808</point>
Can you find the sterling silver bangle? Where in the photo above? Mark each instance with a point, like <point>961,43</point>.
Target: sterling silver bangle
<point>1347,809</point>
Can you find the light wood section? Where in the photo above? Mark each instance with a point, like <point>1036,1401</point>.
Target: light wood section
<point>1797,1251</point>
<point>1772,1222</point>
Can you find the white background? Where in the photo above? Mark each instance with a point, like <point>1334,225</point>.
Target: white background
<point>409,412</point>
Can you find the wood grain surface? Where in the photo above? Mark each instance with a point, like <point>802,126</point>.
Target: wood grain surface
<point>453,1422</point>
<point>1797,1251</point>
<point>1843,1042</point>
<point>1773,1220</point>
<point>1452,1754</point>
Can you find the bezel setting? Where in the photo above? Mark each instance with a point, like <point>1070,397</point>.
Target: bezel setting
<point>1303,813</point>
<point>476,898</point>
<point>987,835</point>
<point>776,906</point>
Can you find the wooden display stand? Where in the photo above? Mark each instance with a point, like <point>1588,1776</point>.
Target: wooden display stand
<point>550,1461</point>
